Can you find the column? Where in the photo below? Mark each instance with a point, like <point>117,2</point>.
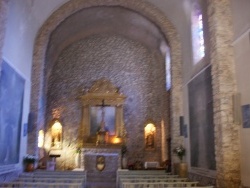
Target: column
<point>85,128</point>
<point>118,120</point>
<point>223,80</point>
<point>163,142</point>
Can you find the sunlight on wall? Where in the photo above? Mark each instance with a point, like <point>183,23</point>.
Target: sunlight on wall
<point>149,132</point>
<point>40,138</point>
<point>56,133</point>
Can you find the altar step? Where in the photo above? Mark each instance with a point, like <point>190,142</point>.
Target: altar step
<point>101,180</point>
<point>100,185</point>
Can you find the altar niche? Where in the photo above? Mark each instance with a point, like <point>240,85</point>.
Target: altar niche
<point>102,115</point>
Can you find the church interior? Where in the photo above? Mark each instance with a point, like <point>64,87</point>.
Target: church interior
<point>109,87</point>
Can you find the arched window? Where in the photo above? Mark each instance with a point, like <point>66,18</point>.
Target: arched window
<point>168,69</point>
<point>197,34</point>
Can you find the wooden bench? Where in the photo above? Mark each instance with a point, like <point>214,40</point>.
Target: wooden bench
<point>156,179</point>
<point>42,185</point>
<point>142,174</point>
<point>53,175</point>
<point>57,172</point>
<point>152,180</point>
<point>158,184</point>
<point>58,177</point>
<point>125,171</point>
<point>49,180</point>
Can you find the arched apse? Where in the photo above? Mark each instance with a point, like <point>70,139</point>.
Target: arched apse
<point>41,46</point>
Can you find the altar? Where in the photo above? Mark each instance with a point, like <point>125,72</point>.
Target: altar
<point>112,158</point>
<point>102,115</point>
<point>102,130</point>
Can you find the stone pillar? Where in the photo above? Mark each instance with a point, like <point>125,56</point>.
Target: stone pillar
<point>176,98</point>
<point>223,80</point>
<point>163,142</point>
<point>118,120</point>
<point>3,19</point>
<point>85,129</point>
<point>82,166</point>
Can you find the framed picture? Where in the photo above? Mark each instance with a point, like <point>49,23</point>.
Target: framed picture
<point>96,118</point>
<point>246,116</point>
<point>201,125</point>
<point>11,107</point>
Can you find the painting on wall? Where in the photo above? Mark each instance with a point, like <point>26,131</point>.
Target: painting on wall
<point>11,105</point>
<point>182,126</point>
<point>96,118</point>
<point>246,116</point>
<point>201,121</point>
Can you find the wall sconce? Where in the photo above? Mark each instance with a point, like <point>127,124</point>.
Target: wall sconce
<point>40,138</point>
<point>116,140</point>
<point>149,132</point>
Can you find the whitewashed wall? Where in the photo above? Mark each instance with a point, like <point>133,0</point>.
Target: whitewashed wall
<point>24,18</point>
<point>241,43</point>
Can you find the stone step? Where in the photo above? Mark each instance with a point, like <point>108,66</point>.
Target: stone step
<point>101,180</point>
<point>101,176</point>
<point>100,185</point>
<point>104,179</point>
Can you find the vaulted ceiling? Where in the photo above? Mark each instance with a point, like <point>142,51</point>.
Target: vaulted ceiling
<point>104,20</point>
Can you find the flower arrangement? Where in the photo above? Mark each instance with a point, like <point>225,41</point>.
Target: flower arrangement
<point>29,159</point>
<point>180,152</point>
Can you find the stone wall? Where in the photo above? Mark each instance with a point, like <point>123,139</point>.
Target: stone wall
<point>138,71</point>
<point>41,45</point>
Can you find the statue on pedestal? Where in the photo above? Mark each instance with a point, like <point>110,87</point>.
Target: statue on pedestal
<point>102,134</point>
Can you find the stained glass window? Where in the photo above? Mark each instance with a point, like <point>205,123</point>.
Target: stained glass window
<point>168,70</point>
<point>197,35</point>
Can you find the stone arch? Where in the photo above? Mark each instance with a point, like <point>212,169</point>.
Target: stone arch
<point>148,11</point>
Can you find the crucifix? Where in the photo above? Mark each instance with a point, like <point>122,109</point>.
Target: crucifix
<point>102,134</point>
